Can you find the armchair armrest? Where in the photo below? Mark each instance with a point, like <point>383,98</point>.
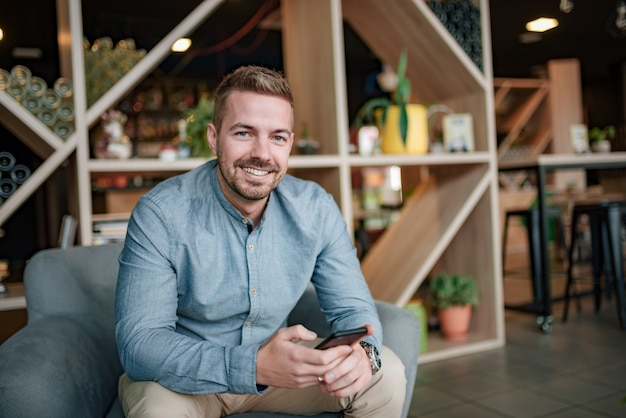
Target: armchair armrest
<point>58,366</point>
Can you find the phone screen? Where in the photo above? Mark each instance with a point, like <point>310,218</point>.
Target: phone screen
<point>342,338</point>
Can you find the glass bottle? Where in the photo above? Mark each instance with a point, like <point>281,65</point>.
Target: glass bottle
<point>37,87</point>
<point>5,79</point>
<point>7,187</point>
<point>32,103</point>
<point>16,90</point>
<point>51,99</point>
<point>65,111</point>
<point>47,116</point>
<point>7,161</point>
<point>21,74</point>
<point>63,87</point>
<point>63,129</point>
<point>20,173</point>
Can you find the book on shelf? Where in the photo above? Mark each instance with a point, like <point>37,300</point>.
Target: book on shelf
<point>109,227</point>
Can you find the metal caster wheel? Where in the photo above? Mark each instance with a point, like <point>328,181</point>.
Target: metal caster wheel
<point>545,323</point>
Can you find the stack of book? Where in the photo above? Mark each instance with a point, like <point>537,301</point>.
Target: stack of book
<point>109,227</point>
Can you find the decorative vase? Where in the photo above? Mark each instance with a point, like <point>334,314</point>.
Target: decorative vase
<point>416,135</point>
<point>454,322</point>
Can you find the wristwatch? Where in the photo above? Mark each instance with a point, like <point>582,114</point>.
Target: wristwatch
<point>374,356</point>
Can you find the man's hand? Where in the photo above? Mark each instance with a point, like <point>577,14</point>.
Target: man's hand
<point>350,375</point>
<point>282,363</point>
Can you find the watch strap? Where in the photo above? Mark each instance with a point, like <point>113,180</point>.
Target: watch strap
<point>374,356</point>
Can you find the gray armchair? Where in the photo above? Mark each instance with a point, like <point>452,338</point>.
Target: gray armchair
<point>64,363</point>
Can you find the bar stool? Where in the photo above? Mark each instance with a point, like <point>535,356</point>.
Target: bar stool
<point>605,223</point>
<point>530,217</point>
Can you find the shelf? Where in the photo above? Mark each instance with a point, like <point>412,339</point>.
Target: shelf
<point>406,253</point>
<point>37,136</point>
<point>13,298</point>
<point>455,197</point>
<point>421,160</point>
<point>445,70</point>
<point>521,107</point>
<point>139,165</point>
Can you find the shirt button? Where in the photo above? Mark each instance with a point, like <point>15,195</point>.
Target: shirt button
<point>249,324</point>
<point>253,291</point>
<point>245,221</point>
<point>251,248</point>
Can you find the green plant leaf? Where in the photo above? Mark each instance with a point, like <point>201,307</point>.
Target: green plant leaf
<point>404,123</point>
<point>403,90</point>
<point>198,118</point>
<point>365,115</point>
<point>454,289</point>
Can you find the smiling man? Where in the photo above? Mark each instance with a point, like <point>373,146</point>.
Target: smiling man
<point>215,260</point>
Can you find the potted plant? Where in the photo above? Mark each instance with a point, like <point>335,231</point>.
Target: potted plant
<point>600,138</point>
<point>454,296</point>
<point>198,119</point>
<point>403,126</point>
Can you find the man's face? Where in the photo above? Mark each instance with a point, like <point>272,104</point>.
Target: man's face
<point>253,145</point>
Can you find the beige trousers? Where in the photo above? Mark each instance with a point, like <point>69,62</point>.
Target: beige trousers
<point>383,398</point>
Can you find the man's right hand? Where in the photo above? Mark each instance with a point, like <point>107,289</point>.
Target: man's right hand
<point>282,363</point>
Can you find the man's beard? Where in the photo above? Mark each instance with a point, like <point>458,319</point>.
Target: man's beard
<point>248,189</point>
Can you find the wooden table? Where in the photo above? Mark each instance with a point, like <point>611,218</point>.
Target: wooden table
<point>542,165</point>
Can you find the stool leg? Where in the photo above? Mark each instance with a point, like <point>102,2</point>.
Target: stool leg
<point>561,226</point>
<point>535,255</point>
<point>596,257</point>
<point>606,256</point>
<point>617,258</point>
<point>570,266</point>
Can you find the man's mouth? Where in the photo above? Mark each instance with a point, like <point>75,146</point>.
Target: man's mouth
<point>255,171</point>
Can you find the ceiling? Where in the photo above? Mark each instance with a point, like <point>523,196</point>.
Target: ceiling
<point>582,34</point>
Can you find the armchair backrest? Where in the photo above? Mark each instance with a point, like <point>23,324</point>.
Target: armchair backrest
<point>78,282</point>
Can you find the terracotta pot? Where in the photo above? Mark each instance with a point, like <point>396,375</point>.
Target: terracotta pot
<point>454,322</point>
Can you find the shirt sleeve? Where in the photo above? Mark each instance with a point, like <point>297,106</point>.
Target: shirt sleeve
<point>342,290</point>
<point>150,349</point>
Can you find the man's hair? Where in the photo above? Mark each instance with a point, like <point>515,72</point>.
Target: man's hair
<point>253,79</point>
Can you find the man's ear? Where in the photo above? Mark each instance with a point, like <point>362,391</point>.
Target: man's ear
<point>211,134</point>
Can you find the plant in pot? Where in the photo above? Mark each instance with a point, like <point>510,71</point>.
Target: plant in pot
<point>198,118</point>
<point>600,138</point>
<point>454,296</point>
<point>403,126</point>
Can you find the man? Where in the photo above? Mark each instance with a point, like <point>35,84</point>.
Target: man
<point>215,260</point>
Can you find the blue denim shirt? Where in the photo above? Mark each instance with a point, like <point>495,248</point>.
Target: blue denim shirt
<point>199,290</point>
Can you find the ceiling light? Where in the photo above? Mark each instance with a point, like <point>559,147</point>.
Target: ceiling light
<point>181,45</point>
<point>1,35</point>
<point>542,24</point>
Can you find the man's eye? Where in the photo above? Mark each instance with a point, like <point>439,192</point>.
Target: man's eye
<point>280,139</point>
<point>242,133</point>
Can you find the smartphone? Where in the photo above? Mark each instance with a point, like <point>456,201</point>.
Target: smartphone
<point>342,338</point>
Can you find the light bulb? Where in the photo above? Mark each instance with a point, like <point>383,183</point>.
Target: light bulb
<point>566,6</point>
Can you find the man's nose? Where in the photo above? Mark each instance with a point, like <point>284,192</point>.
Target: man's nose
<point>261,148</point>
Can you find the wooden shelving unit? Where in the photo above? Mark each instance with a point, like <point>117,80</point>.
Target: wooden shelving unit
<point>453,211</point>
<point>534,116</point>
<point>522,113</point>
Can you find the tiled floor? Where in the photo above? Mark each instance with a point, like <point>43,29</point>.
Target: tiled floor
<point>577,370</point>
